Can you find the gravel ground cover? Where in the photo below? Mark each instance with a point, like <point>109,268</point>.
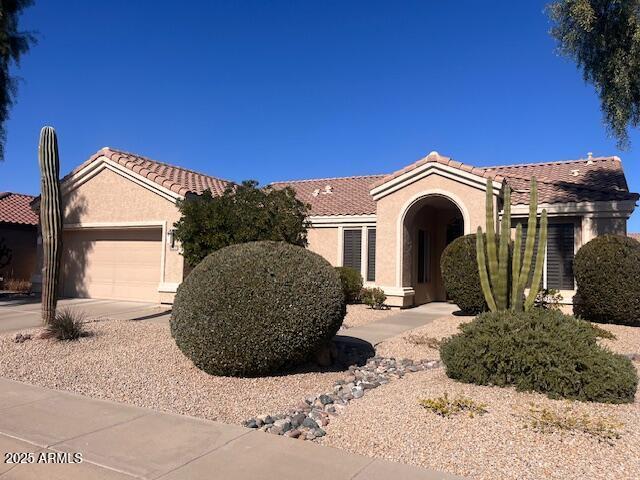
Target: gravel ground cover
<point>358,315</point>
<point>389,423</point>
<point>138,363</point>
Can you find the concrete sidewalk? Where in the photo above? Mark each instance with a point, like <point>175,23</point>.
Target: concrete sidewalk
<point>399,322</point>
<point>25,313</point>
<point>124,442</point>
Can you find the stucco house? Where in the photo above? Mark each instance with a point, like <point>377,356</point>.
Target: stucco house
<point>120,208</point>
<point>18,230</point>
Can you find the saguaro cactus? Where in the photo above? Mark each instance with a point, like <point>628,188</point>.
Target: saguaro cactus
<point>495,269</point>
<point>50,220</point>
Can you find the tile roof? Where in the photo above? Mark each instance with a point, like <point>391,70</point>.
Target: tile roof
<point>345,196</point>
<point>15,208</point>
<point>177,179</point>
<point>634,235</point>
<point>584,180</point>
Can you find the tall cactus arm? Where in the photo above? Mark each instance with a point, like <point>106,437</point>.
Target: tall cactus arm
<point>502,289</point>
<point>50,220</point>
<point>516,302</point>
<point>531,239</point>
<point>537,273</point>
<point>482,270</point>
<point>491,236</point>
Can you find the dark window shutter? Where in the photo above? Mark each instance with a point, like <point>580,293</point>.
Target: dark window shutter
<point>371,255</point>
<point>560,246</point>
<point>352,249</point>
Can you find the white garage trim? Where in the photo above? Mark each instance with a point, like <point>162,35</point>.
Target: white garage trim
<point>162,286</point>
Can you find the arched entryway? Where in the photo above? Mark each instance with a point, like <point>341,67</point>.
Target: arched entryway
<point>429,224</point>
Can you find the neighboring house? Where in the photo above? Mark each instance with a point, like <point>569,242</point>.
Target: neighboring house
<point>635,236</point>
<point>18,228</point>
<point>120,209</point>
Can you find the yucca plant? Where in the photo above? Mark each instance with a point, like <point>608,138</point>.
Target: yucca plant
<point>503,282</point>
<point>66,325</point>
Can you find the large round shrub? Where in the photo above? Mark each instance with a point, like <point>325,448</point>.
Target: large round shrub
<point>607,271</point>
<point>257,308</point>
<point>459,267</point>
<point>543,351</point>
<point>351,281</point>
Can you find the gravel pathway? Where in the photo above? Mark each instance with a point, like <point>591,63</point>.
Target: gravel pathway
<point>138,363</point>
<point>358,315</point>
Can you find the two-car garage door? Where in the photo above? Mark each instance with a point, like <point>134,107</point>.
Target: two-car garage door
<point>121,264</point>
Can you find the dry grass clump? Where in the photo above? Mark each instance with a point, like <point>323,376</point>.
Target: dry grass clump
<point>545,420</point>
<point>446,407</point>
<point>66,325</point>
<point>16,285</point>
<point>424,339</point>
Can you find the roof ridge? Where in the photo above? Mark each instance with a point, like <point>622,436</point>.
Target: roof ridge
<point>553,162</point>
<point>148,159</point>
<point>7,194</point>
<point>329,178</point>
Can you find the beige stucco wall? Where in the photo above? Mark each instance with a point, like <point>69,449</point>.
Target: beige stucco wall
<point>110,199</point>
<point>594,226</point>
<point>324,242</point>
<point>392,207</point>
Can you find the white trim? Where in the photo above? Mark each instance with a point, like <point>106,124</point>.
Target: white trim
<point>168,287</point>
<point>403,213</point>
<point>430,168</point>
<point>326,221</point>
<point>102,163</point>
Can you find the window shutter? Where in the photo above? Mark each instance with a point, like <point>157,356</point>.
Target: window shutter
<point>371,255</point>
<point>560,246</point>
<point>352,249</point>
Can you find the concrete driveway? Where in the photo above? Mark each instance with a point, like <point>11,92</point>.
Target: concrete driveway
<point>21,313</point>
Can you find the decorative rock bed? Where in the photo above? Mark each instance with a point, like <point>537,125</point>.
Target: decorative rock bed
<point>306,420</point>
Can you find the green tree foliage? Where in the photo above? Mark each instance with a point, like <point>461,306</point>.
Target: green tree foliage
<point>13,44</point>
<point>243,213</point>
<point>603,38</point>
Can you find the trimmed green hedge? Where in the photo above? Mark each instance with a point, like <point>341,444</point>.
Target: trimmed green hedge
<point>257,308</point>
<point>351,281</point>
<point>607,271</point>
<point>459,267</point>
<point>540,350</point>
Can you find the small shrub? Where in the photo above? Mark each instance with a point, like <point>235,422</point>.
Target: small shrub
<point>459,266</point>
<point>540,350</point>
<point>607,271</point>
<point>446,407</point>
<point>374,297</point>
<point>429,342</point>
<point>66,325</point>
<point>545,420</point>
<point>548,299</point>
<point>17,285</point>
<point>351,282</point>
<point>257,308</point>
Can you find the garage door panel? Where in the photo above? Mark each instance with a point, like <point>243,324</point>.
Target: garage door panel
<point>116,264</point>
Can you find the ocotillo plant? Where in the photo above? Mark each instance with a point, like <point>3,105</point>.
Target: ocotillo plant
<point>50,220</point>
<point>495,269</point>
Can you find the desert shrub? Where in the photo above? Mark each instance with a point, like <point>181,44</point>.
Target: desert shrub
<point>257,308</point>
<point>446,407</point>
<point>66,325</point>
<point>423,339</point>
<point>374,297</point>
<point>16,285</point>
<point>548,299</point>
<point>459,267</point>
<point>351,282</point>
<point>540,350</point>
<point>607,271</point>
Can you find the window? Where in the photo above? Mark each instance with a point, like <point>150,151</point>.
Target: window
<point>352,249</point>
<point>371,255</point>
<point>424,263</point>
<point>560,253</point>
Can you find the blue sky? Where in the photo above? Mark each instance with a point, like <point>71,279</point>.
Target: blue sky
<point>277,90</point>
